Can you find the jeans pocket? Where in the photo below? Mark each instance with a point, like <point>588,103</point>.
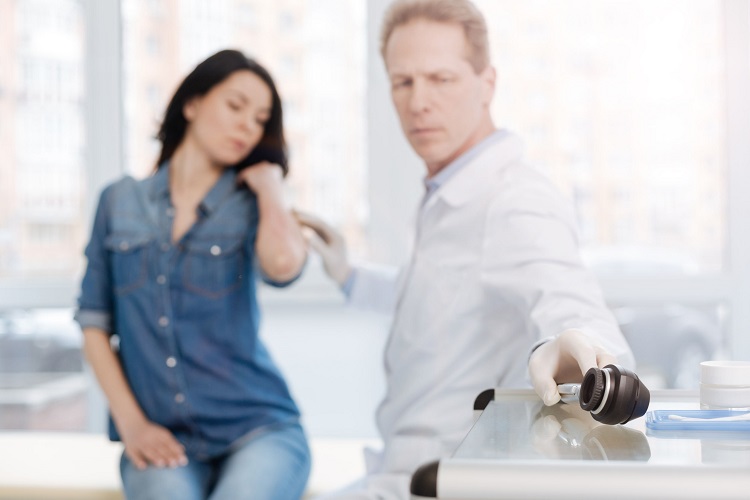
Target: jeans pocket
<point>129,257</point>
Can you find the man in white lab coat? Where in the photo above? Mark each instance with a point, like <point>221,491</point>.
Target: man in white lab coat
<point>495,293</point>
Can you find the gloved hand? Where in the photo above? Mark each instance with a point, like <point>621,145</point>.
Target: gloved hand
<point>562,360</point>
<point>329,244</point>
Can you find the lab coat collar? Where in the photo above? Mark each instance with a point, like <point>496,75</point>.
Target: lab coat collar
<point>478,174</point>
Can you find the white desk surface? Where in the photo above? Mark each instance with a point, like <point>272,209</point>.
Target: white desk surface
<point>520,449</point>
<point>78,466</point>
<point>45,465</point>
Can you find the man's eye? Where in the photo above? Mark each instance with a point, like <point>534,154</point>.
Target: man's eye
<point>234,106</point>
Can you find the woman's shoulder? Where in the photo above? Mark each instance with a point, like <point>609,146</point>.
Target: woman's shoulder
<point>123,183</point>
<point>128,185</point>
<point>123,192</point>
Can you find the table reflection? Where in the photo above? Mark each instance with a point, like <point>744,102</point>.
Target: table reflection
<point>567,432</point>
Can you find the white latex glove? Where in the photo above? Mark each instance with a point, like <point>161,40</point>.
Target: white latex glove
<point>329,244</point>
<point>564,359</point>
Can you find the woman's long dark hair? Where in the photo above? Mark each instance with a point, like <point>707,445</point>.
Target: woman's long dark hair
<point>212,71</point>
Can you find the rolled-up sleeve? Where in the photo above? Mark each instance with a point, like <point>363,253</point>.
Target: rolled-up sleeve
<point>95,300</point>
<point>279,284</point>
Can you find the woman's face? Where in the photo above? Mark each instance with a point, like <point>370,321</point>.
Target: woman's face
<point>228,121</point>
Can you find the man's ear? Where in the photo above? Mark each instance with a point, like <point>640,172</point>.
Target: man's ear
<point>488,77</point>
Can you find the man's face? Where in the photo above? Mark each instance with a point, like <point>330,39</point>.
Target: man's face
<point>443,104</point>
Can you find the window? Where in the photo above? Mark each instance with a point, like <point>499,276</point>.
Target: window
<point>638,110</point>
<point>319,70</point>
<point>43,222</point>
<point>638,83</point>
<point>43,140</point>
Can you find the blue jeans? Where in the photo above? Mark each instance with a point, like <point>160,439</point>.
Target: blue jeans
<point>274,465</point>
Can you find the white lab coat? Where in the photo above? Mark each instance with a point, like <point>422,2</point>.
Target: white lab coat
<point>495,268</point>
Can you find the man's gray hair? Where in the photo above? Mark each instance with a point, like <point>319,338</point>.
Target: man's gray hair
<point>461,12</point>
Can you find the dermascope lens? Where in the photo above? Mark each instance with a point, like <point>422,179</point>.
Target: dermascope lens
<point>613,395</point>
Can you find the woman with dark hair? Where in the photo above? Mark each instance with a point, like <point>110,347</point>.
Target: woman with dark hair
<point>201,408</point>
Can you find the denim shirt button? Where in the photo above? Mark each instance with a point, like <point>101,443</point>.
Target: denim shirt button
<point>163,321</point>
<point>161,279</point>
<point>165,247</point>
<point>179,398</point>
<point>124,246</point>
<point>170,212</point>
<point>171,362</point>
<point>215,250</point>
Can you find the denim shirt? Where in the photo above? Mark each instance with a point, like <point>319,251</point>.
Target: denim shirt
<point>186,314</point>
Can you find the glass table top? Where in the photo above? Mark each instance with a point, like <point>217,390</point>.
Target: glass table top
<point>517,426</point>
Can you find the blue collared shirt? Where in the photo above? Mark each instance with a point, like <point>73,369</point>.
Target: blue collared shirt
<point>186,313</point>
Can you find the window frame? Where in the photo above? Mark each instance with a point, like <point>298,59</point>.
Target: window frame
<point>103,154</point>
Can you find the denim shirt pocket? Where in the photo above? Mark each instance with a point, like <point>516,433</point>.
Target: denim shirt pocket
<point>129,258</point>
<point>215,266</point>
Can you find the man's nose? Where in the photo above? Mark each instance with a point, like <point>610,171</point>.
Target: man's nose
<point>419,99</point>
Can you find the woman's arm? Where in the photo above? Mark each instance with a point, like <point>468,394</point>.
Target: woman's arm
<point>145,442</point>
<point>280,247</point>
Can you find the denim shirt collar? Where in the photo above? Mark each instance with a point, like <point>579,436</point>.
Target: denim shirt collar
<point>225,186</point>
<point>158,184</point>
<point>159,188</point>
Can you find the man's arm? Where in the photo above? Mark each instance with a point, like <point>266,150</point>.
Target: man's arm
<point>366,286</point>
<point>531,259</point>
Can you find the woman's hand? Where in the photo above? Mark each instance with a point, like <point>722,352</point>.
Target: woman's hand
<point>148,443</point>
<point>145,442</point>
<point>263,179</point>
